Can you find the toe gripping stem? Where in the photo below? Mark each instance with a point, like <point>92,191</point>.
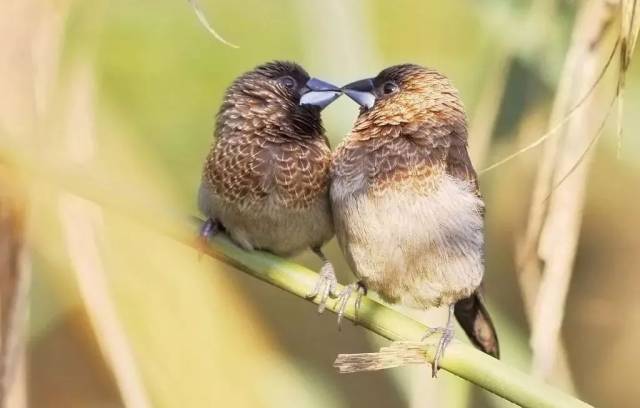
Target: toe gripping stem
<point>326,285</point>
<point>208,229</point>
<point>344,297</point>
<point>447,333</point>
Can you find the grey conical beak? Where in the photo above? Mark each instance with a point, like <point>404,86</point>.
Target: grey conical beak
<point>319,93</point>
<point>361,92</point>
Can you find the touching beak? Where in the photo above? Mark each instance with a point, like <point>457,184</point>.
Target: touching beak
<point>361,92</point>
<point>319,93</point>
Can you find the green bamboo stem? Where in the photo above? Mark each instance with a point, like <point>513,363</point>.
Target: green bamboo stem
<point>459,359</point>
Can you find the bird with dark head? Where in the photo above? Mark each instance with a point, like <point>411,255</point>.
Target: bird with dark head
<point>266,179</point>
<point>407,210</point>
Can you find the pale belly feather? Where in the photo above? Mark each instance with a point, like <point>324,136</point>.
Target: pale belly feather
<point>420,249</point>
<point>270,226</point>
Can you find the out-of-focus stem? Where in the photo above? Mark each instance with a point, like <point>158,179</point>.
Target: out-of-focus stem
<point>15,274</point>
<point>81,223</point>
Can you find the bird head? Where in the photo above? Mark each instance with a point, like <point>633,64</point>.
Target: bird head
<point>278,97</point>
<point>405,94</point>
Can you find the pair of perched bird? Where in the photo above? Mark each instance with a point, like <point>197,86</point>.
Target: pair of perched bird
<point>399,192</point>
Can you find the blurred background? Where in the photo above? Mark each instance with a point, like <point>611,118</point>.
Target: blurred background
<point>123,95</point>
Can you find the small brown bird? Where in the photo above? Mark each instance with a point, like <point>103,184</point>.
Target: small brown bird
<point>407,210</point>
<point>266,178</point>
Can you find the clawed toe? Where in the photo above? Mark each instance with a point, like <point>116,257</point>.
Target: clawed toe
<point>325,286</point>
<point>431,331</point>
<point>344,297</point>
<point>208,229</point>
<point>446,337</point>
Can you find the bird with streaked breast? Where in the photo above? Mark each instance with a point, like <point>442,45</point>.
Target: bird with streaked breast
<point>407,210</point>
<point>266,179</point>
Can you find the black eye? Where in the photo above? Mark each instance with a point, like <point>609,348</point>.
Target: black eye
<point>389,87</point>
<point>288,82</point>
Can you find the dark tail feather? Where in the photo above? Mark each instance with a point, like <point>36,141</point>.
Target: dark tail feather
<point>474,318</point>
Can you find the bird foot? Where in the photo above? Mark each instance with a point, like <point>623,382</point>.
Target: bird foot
<point>344,296</point>
<point>208,229</point>
<point>325,286</point>
<point>446,336</point>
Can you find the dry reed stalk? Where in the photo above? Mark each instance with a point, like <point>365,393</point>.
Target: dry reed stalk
<point>481,129</point>
<point>30,41</point>
<point>30,31</point>
<point>14,283</point>
<point>82,226</point>
<point>553,226</point>
<point>562,375</point>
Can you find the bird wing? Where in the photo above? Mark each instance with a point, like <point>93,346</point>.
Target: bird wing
<point>458,162</point>
<point>239,169</point>
<point>447,142</point>
<point>301,171</point>
<point>471,313</point>
<point>415,152</point>
<point>387,158</point>
<point>250,170</point>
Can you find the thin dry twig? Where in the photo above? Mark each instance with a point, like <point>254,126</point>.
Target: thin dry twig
<point>560,123</point>
<point>587,149</point>
<point>203,20</point>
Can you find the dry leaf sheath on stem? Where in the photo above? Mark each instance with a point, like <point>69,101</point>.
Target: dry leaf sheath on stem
<point>460,359</point>
<point>554,225</point>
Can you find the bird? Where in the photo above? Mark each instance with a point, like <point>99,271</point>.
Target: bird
<point>407,209</point>
<point>265,181</point>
